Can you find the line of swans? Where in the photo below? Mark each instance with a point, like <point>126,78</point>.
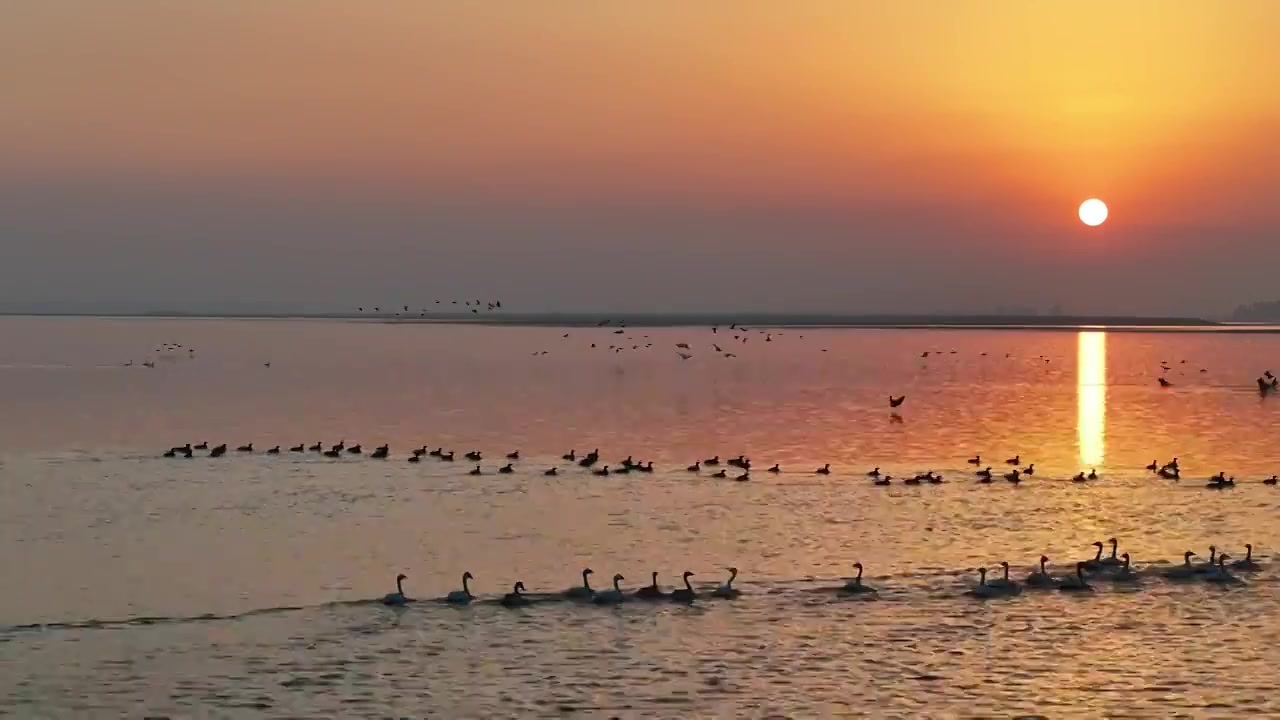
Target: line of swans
<point>1117,569</point>
<point>612,595</point>
<point>1113,568</point>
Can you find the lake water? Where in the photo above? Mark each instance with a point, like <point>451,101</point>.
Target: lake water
<point>247,585</point>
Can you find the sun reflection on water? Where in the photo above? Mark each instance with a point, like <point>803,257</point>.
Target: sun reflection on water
<point>1091,395</point>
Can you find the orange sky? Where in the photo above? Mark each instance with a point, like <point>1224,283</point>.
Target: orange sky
<point>1004,113</point>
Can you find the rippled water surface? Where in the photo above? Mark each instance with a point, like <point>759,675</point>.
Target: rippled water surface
<point>247,585</point>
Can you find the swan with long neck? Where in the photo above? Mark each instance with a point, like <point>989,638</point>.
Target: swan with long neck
<point>463,596</point>
<point>686,593</point>
<point>727,590</point>
<point>1125,572</point>
<point>1003,583</point>
<point>1221,575</point>
<point>1076,583</point>
<point>1185,571</point>
<point>1041,578</point>
<point>1247,564</point>
<point>612,596</point>
<point>397,597</point>
<point>583,591</point>
<point>982,589</point>
<point>1112,561</point>
<point>855,584</point>
<point>1096,561</point>
<point>651,591</point>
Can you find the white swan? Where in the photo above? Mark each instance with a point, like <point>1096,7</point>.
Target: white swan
<point>1041,578</point>
<point>1247,564</point>
<point>612,596</point>
<point>686,593</point>
<point>727,591</point>
<point>1076,583</point>
<point>463,596</point>
<point>397,597</point>
<point>855,585</point>
<point>514,598</point>
<point>1185,571</point>
<point>583,591</point>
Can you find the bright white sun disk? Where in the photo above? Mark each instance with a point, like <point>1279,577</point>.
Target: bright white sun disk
<point>1093,212</point>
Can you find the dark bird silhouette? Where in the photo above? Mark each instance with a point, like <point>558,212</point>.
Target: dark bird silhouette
<point>896,401</point>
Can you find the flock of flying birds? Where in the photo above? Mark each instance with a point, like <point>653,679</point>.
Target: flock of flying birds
<point>1117,569</point>
<point>735,335</point>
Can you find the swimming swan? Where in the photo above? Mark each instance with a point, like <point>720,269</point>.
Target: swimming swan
<point>463,596</point>
<point>1247,564</point>
<point>1041,578</point>
<point>514,598</point>
<point>1096,561</point>
<point>1212,565</point>
<point>1113,561</point>
<point>855,585</point>
<point>397,597</point>
<point>612,596</point>
<point>1125,573</point>
<point>652,591</point>
<point>583,591</point>
<point>1075,583</point>
<point>1185,571</point>
<point>727,591</point>
<point>686,593</point>
<point>1009,587</point>
<point>1221,575</point>
<point>982,590</point>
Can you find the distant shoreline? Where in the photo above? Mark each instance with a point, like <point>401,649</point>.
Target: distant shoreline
<point>758,320</point>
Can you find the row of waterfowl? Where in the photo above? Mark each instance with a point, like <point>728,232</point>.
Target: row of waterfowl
<point>613,595</point>
<point>714,466</point>
<point>1117,569</point>
<point>338,450</point>
<point>1113,568</point>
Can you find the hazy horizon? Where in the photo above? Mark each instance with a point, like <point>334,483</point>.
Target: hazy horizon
<point>832,157</point>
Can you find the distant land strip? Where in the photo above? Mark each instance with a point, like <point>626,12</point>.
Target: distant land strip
<point>749,319</point>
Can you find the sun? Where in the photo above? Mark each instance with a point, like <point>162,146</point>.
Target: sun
<point>1093,212</point>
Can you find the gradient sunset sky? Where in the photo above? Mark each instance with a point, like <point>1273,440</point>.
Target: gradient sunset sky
<point>891,156</point>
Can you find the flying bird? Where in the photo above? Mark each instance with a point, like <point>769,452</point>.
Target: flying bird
<point>896,401</point>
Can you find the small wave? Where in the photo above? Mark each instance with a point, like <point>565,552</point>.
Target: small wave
<point>145,620</point>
